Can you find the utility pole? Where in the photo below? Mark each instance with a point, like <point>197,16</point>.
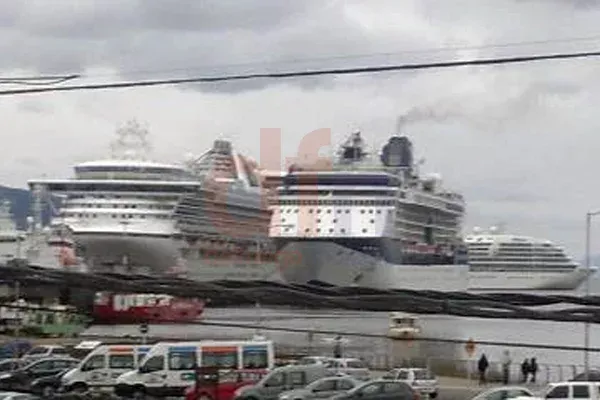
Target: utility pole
<point>18,311</point>
<point>586,336</point>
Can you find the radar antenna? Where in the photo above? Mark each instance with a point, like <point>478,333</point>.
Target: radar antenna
<point>131,142</point>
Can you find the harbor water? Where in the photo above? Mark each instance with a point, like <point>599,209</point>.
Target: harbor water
<point>377,323</point>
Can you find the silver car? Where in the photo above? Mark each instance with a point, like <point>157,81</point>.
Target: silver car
<point>503,393</point>
<point>421,380</point>
<point>322,388</point>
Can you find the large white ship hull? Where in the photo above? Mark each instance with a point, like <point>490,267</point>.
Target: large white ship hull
<point>328,262</point>
<point>161,255</point>
<point>526,280</point>
<point>303,261</point>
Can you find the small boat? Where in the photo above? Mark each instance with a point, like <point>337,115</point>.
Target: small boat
<point>134,308</point>
<point>403,326</point>
<point>37,320</point>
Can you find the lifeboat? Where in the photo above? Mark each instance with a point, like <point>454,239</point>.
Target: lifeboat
<point>134,308</point>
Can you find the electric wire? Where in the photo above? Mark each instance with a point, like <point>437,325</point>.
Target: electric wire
<point>307,73</point>
<point>316,295</point>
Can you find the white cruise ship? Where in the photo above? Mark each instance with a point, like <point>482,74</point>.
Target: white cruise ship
<point>204,220</point>
<point>370,221</point>
<point>509,262</point>
<point>45,247</point>
<point>12,240</point>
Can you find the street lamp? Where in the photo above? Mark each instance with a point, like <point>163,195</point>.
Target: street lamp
<point>588,223</point>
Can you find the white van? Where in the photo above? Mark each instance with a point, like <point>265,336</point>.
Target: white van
<point>101,367</point>
<point>170,367</point>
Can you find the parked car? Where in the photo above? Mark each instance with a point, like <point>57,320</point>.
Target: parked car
<point>220,384</point>
<point>380,390</point>
<point>568,391</point>
<point>322,388</point>
<point>10,364</point>
<point>21,378</point>
<point>281,379</point>
<point>311,360</point>
<point>14,348</point>
<point>350,366</point>
<point>420,379</point>
<point>47,386</point>
<point>503,393</point>
<point>38,352</point>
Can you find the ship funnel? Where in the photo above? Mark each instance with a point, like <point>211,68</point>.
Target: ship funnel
<point>397,152</point>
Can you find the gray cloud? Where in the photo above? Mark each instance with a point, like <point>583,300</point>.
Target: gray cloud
<point>519,141</point>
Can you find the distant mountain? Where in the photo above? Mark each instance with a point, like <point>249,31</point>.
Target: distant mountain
<point>21,205</point>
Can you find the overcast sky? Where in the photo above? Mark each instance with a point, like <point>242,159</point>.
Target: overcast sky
<point>520,141</point>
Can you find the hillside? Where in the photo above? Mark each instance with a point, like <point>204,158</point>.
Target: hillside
<point>21,200</point>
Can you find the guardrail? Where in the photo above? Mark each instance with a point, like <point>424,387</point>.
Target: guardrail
<point>442,366</point>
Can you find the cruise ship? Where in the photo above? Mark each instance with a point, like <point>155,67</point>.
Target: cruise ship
<point>204,219</point>
<point>510,262</point>
<point>12,240</point>
<point>47,247</point>
<point>370,221</point>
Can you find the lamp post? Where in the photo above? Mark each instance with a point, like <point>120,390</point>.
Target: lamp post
<point>588,223</point>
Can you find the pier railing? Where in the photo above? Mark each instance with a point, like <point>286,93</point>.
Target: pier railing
<point>380,360</point>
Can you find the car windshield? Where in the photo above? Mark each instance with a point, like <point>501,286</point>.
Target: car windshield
<point>423,374</point>
<point>356,364</point>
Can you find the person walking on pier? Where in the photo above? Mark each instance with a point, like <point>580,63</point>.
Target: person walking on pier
<point>482,366</point>
<point>337,348</point>
<point>505,367</point>
<point>525,368</point>
<point>533,367</point>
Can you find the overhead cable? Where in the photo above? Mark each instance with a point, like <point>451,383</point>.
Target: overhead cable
<point>306,73</point>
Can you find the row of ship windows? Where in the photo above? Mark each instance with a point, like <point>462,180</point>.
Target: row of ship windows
<point>318,230</point>
<point>126,216</point>
<point>127,206</point>
<point>120,197</point>
<point>329,211</point>
<point>334,220</point>
<point>336,202</point>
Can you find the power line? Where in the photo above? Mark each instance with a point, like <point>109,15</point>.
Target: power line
<point>307,73</point>
<point>317,296</point>
<point>355,56</point>
<point>39,80</point>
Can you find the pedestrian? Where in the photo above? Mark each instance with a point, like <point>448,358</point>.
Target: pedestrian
<point>525,368</point>
<point>482,366</point>
<point>337,348</point>
<point>533,368</point>
<point>505,367</point>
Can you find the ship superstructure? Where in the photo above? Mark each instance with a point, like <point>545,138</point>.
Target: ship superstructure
<point>12,240</point>
<point>505,261</point>
<point>129,212</point>
<point>370,221</point>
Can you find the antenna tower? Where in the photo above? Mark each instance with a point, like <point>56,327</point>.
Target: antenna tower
<point>132,142</point>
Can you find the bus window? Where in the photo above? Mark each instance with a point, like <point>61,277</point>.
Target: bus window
<point>223,357</point>
<point>255,357</point>
<point>120,361</point>
<point>182,361</point>
<point>140,358</point>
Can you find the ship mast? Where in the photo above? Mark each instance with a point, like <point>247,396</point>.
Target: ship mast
<point>131,143</point>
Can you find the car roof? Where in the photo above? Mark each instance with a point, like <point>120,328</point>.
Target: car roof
<point>55,358</point>
<point>303,366</point>
<point>410,369</point>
